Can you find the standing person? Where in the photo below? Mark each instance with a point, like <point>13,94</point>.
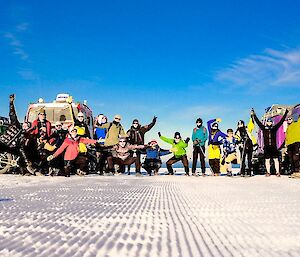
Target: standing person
<point>270,141</point>
<point>178,149</point>
<point>73,157</point>
<point>79,122</point>
<point>246,143</point>
<point>40,122</point>
<point>100,135</point>
<point>121,155</point>
<point>58,136</point>
<point>215,140</point>
<point>114,131</point>
<point>199,138</point>
<point>153,160</point>
<point>292,142</point>
<point>14,138</point>
<point>136,135</point>
<point>229,151</point>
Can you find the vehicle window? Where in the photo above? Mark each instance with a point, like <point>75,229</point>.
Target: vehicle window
<point>53,114</point>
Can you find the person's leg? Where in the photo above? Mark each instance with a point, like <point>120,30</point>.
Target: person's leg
<point>138,162</point>
<point>157,165</point>
<point>195,158</point>
<point>268,167</point>
<point>202,159</point>
<point>120,163</point>
<point>277,167</point>
<point>185,163</point>
<point>290,152</point>
<point>169,163</point>
<point>81,164</point>
<point>67,168</point>
<point>147,166</point>
<point>249,160</point>
<point>211,164</point>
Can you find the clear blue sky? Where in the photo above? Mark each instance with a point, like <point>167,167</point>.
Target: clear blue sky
<point>175,59</point>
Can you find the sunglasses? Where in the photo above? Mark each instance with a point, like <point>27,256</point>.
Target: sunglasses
<point>58,125</point>
<point>80,116</point>
<point>122,141</point>
<point>117,119</point>
<point>42,114</point>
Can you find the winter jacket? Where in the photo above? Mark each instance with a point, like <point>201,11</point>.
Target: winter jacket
<point>229,146</point>
<point>82,128</point>
<point>124,152</point>
<point>58,136</point>
<point>71,147</point>
<point>100,133</point>
<point>177,149</point>
<point>217,137</point>
<point>270,133</point>
<point>137,135</point>
<point>293,133</point>
<point>37,124</point>
<point>244,135</point>
<point>156,153</point>
<point>200,134</point>
<point>113,131</point>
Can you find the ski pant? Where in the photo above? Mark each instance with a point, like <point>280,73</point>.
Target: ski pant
<point>215,165</point>
<point>198,150</point>
<point>293,153</point>
<point>122,163</point>
<point>246,160</point>
<point>137,162</point>
<point>152,164</point>
<point>174,159</point>
<point>80,163</point>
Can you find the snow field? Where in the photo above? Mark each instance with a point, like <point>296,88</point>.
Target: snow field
<point>149,216</point>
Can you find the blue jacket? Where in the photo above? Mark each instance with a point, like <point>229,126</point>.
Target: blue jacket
<point>201,135</point>
<point>156,153</point>
<point>100,133</point>
<point>217,138</point>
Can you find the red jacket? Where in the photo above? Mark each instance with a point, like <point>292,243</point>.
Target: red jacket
<point>72,147</point>
<point>36,129</point>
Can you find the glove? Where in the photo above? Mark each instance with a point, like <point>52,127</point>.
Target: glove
<point>252,112</point>
<point>154,119</point>
<point>218,120</point>
<point>100,140</point>
<point>50,158</point>
<point>159,134</point>
<point>187,140</point>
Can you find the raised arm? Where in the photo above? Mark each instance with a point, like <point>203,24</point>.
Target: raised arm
<point>258,122</point>
<point>12,112</point>
<point>150,126</point>
<point>167,140</point>
<point>209,124</point>
<point>277,126</point>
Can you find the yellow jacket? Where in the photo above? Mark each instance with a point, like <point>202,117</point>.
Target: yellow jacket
<point>293,133</point>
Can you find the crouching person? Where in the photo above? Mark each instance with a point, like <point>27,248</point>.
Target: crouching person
<point>73,157</point>
<point>121,155</point>
<point>229,152</point>
<point>153,154</point>
<point>178,149</point>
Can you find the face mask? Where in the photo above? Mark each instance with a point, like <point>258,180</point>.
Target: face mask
<point>122,143</point>
<point>199,125</point>
<point>135,125</point>
<point>177,140</point>
<point>74,134</point>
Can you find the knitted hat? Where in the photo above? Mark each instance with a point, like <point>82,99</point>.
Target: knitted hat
<point>177,134</point>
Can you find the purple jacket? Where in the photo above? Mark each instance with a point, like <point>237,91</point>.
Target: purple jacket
<point>214,139</point>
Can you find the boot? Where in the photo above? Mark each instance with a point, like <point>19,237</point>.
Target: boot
<point>187,171</point>
<point>170,170</point>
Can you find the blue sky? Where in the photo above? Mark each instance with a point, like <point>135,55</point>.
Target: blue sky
<point>175,59</point>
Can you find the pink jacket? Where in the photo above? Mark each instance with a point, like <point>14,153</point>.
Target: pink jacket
<point>72,147</point>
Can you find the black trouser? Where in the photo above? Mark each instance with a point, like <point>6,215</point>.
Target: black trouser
<point>174,159</point>
<point>293,153</point>
<point>152,164</point>
<point>81,163</point>
<point>198,150</point>
<point>215,165</point>
<point>246,158</point>
<point>102,156</point>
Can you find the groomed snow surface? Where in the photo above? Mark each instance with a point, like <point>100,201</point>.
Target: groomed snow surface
<point>149,216</point>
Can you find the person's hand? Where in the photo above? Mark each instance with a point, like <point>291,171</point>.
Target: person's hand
<point>187,140</point>
<point>50,158</point>
<point>159,134</point>
<point>218,120</point>
<point>12,98</point>
<point>101,140</point>
<point>154,119</point>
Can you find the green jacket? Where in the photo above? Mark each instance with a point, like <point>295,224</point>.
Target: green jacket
<point>177,149</point>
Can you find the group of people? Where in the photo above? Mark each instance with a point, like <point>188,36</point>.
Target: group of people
<point>46,149</point>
